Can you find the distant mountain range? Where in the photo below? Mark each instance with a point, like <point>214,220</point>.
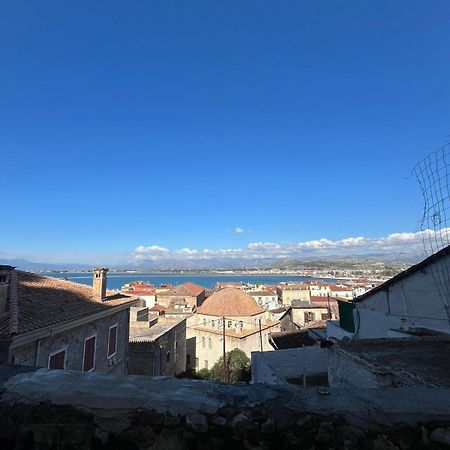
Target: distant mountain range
<point>366,261</point>
<point>24,264</point>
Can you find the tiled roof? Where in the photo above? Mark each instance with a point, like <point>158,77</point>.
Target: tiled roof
<point>230,302</point>
<point>158,308</point>
<point>152,333</point>
<point>194,288</point>
<point>292,339</point>
<point>45,301</point>
<point>318,300</point>
<point>339,289</point>
<point>280,310</point>
<point>294,287</point>
<point>185,289</point>
<point>262,293</point>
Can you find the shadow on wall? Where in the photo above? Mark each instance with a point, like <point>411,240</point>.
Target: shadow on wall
<point>191,352</point>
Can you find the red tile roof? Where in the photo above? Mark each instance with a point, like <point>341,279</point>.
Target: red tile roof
<point>194,288</point>
<point>318,300</point>
<point>43,301</point>
<point>158,308</point>
<point>185,289</point>
<point>340,289</point>
<point>230,302</point>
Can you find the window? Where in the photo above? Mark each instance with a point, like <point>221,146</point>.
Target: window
<point>213,324</point>
<point>112,341</point>
<point>204,322</point>
<point>210,343</point>
<point>229,324</point>
<point>203,342</point>
<point>57,360</point>
<point>89,354</point>
<point>206,364</point>
<point>309,317</point>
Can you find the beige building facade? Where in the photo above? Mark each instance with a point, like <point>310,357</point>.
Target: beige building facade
<point>290,292</point>
<point>231,315</point>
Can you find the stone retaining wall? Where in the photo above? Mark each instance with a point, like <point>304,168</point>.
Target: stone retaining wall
<point>65,410</point>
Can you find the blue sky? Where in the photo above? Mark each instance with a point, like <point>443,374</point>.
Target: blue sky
<point>134,124</point>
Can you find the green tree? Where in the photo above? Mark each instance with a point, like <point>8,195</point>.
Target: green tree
<point>237,366</point>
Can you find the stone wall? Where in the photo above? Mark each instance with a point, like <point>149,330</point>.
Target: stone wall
<point>37,353</point>
<point>43,409</point>
<point>165,355</point>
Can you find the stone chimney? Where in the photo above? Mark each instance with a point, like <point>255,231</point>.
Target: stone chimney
<point>99,283</point>
<point>6,276</point>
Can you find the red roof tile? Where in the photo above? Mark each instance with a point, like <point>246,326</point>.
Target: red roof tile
<point>230,302</point>
<point>45,301</point>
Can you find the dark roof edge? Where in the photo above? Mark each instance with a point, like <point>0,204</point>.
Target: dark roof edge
<point>413,269</point>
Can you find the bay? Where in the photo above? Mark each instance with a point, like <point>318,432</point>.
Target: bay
<point>117,280</point>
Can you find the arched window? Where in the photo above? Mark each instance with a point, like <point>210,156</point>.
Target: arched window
<point>229,324</point>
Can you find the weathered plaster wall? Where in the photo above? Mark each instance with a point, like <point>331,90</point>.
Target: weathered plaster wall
<point>37,353</point>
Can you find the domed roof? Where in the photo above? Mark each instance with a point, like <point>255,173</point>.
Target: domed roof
<point>230,302</point>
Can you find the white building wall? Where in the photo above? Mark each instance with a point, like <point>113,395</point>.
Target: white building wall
<point>419,300</point>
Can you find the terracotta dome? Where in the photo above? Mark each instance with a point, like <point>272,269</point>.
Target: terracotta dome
<point>230,302</point>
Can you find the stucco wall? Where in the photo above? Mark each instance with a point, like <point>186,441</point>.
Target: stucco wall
<point>298,314</point>
<point>298,294</point>
<point>207,347</point>
<point>37,353</point>
<point>418,300</point>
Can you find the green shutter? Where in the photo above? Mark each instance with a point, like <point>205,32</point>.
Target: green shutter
<point>346,319</point>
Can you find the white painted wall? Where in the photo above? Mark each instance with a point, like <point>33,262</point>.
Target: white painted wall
<point>420,300</point>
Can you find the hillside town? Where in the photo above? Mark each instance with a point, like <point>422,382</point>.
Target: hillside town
<point>174,330</point>
<point>158,330</point>
<point>347,335</point>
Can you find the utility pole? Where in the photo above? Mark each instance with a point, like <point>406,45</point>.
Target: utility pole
<point>223,346</point>
<point>260,336</point>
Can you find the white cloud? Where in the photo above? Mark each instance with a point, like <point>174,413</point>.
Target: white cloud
<point>188,251</point>
<point>150,252</point>
<point>391,245</point>
<point>239,230</point>
<point>406,244</point>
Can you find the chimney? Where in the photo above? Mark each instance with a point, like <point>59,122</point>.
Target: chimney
<point>6,273</point>
<point>99,283</point>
